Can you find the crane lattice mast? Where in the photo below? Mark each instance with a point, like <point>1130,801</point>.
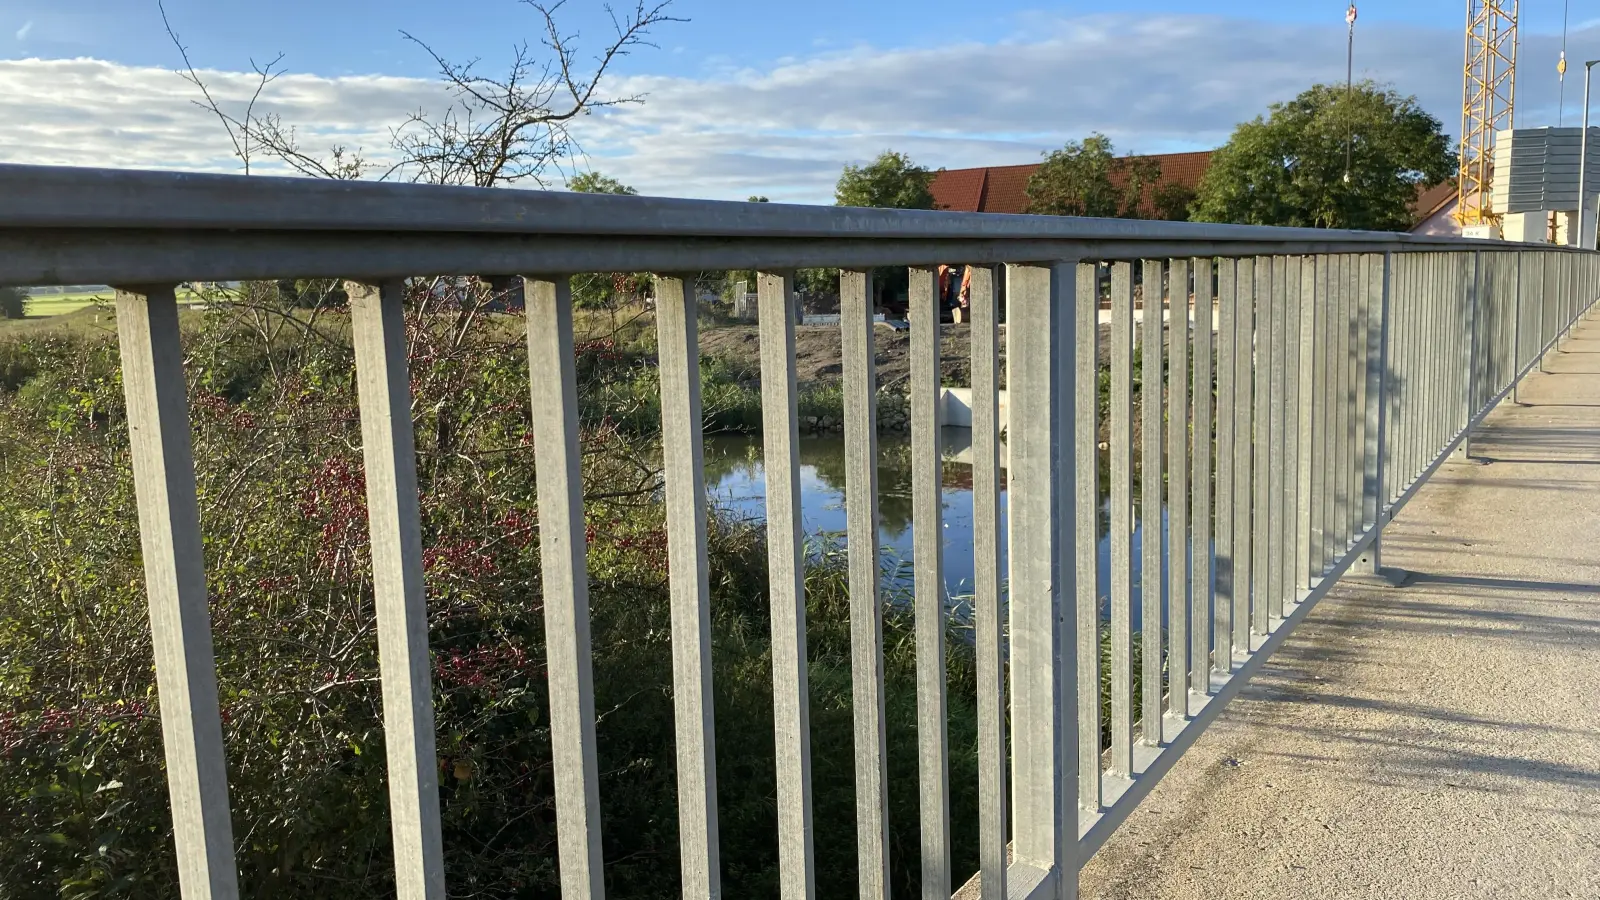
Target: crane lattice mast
<point>1489,94</point>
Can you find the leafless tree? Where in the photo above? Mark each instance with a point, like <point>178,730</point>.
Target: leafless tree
<point>495,130</point>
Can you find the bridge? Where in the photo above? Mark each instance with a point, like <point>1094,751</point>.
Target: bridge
<point>1371,543</point>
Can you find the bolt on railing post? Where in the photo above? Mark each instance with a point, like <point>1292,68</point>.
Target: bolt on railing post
<point>1378,375</point>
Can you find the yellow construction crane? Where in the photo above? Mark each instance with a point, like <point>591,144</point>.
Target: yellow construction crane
<point>1489,94</point>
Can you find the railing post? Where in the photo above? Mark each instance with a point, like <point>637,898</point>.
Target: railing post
<point>1516,336</point>
<point>175,579</point>
<point>394,516</point>
<point>563,560</point>
<point>1378,413</point>
<point>791,692</point>
<point>1474,301</point>
<point>683,459</point>
<point>1041,357</point>
<point>931,610</point>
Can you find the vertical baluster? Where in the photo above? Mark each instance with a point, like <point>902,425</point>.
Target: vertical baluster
<point>1262,456</point>
<point>866,607</point>
<point>1150,496</point>
<point>378,328</point>
<point>1338,407</point>
<point>1086,426</point>
<point>1447,310</point>
<point>1290,565</point>
<point>563,552</point>
<point>683,458</point>
<point>1361,338</point>
<point>1406,359</point>
<point>1041,358</point>
<point>1373,394</point>
<point>1304,397</point>
<point>986,584</point>
<point>1321,327</point>
<point>1243,455</point>
<point>175,581</point>
<point>1121,519</point>
<point>1277,461</point>
<point>1227,372</point>
<point>1204,323</point>
<point>927,467</point>
<point>780,430</point>
<point>1380,394</point>
<point>1181,623</point>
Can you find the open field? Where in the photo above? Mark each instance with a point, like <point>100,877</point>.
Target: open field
<point>41,306</point>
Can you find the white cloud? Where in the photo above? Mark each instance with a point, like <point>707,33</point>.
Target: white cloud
<point>1151,83</point>
<point>22,33</point>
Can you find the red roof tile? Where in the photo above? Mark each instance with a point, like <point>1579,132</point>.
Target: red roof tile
<point>1004,189</point>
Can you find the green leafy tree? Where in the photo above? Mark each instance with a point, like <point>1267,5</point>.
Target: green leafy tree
<point>605,290</point>
<point>13,302</point>
<point>1289,168</point>
<point>1089,179</point>
<point>891,181</point>
<point>598,183</point>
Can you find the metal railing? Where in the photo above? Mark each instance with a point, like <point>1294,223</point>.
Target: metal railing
<point>1346,367</point>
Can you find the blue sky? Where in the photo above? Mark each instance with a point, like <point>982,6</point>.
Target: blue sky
<point>337,37</point>
<point>752,96</point>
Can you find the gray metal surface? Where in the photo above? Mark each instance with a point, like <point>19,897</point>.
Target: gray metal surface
<point>693,707</point>
<point>563,556</point>
<point>857,345</point>
<point>1179,603</point>
<point>987,607</point>
<point>791,695</point>
<point>175,580</point>
<point>932,609</point>
<point>1086,521</point>
<point>1151,495</point>
<point>1121,519</point>
<point>63,197</point>
<point>1200,493</point>
<point>1044,744</point>
<point>1262,454</point>
<point>1244,453</point>
<point>1227,400</point>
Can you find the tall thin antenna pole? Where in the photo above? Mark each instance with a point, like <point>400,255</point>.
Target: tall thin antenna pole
<point>1561,67</point>
<point>1349,84</point>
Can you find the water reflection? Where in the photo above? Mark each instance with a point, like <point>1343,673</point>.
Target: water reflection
<point>736,483</point>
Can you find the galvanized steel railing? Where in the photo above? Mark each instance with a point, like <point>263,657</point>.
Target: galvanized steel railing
<point>1346,367</point>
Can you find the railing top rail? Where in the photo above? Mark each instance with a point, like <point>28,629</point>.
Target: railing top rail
<point>70,197</point>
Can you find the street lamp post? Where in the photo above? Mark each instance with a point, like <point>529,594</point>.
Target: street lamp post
<point>1586,221</point>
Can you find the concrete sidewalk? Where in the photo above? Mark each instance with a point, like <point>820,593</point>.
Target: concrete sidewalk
<point>1437,740</point>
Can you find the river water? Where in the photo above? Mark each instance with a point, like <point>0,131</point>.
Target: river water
<point>736,484</point>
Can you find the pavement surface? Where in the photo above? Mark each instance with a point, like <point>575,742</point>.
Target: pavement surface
<point>1436,740</point>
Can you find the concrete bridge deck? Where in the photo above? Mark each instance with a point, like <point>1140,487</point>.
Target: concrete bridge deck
<point>1436,740</point>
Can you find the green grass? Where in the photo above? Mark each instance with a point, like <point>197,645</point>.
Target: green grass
<point>43,306</point>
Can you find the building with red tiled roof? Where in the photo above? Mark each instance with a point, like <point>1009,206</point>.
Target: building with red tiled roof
<point>1004,189</point>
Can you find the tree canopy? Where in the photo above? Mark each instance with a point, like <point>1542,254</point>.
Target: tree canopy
<point>13,302</point>
<point>891,181</point>
<point>1088,179</point>
<point>600,290</point>
<point>1289,168</point>
<point>598,183</point>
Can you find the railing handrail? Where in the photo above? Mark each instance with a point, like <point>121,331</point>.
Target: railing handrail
<point>34,196</point>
